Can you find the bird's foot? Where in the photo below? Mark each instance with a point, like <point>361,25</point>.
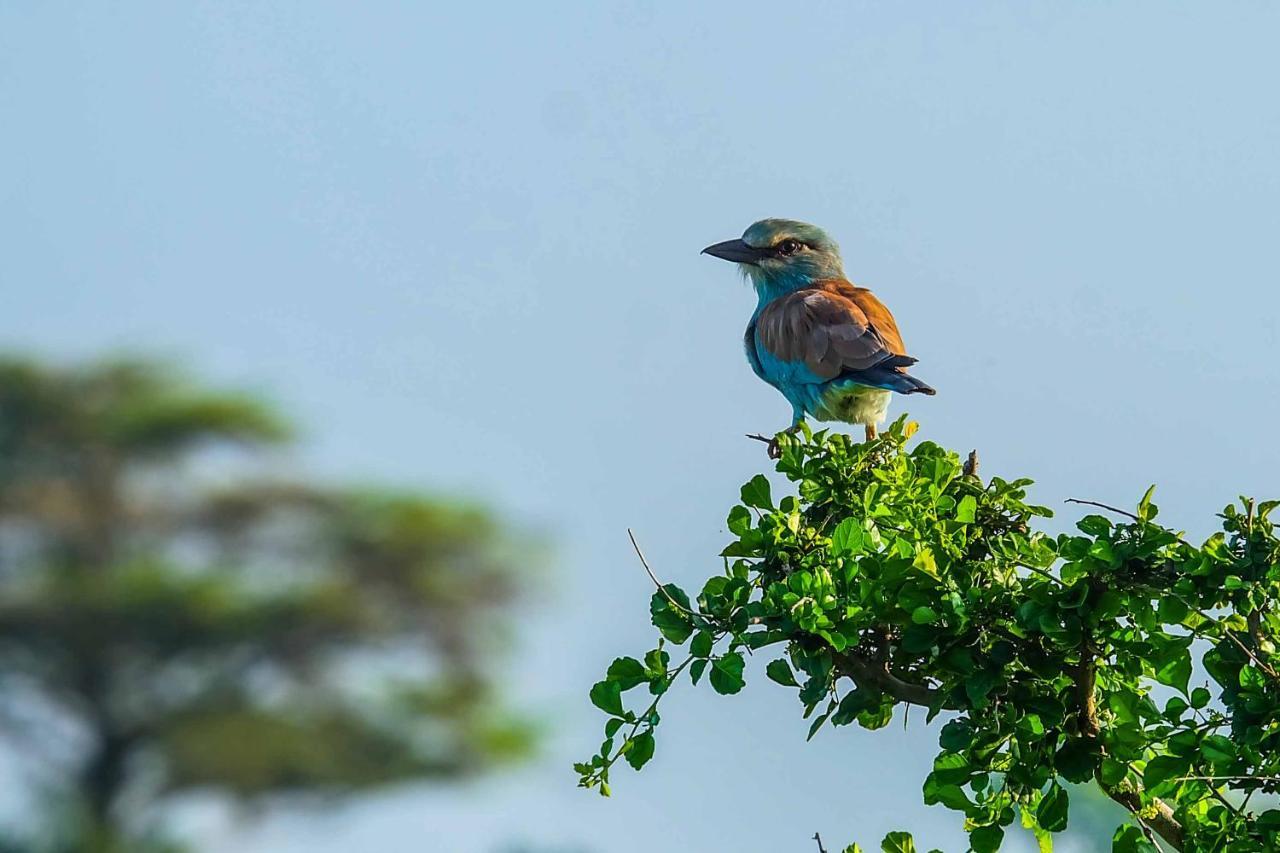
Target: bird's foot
<point>871,432</point>
<point>771,444</point>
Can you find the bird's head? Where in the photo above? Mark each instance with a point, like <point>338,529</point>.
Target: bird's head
<point>782,254</point>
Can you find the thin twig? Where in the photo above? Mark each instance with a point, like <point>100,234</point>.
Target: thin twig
<point>677,605</point>
<point>1116,510</point>
<point>818,838</point>
<point>1230,778</point>
<point>1151,836</point>
<point>1123,512</point>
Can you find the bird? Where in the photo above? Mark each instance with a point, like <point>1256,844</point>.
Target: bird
<point>830,347</point>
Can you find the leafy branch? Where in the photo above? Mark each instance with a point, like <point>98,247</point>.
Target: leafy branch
<point>895,576</point>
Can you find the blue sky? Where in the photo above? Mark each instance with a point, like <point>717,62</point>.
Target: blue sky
<point>461,242</point>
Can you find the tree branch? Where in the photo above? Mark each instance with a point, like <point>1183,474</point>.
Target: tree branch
<point>818,838</point>
<point>1163,821</point>
<point>866,673</point>
<point>1086,678</point>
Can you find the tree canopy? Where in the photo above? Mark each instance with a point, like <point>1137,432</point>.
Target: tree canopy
<point>895,576</point>
<point>192,630</point>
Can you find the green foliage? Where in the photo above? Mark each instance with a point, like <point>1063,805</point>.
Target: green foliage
<point>892,576</point>
<point>257,637</point>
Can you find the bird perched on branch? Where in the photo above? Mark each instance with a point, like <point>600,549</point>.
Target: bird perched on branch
<point>830,347</point>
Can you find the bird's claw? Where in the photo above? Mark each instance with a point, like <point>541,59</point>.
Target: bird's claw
<point>772,447</point>
<point>771,444</point>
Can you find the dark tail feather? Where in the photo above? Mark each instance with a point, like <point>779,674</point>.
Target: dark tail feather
<point>890,378</point>
<point>917,387</point>
<point>898,361</point>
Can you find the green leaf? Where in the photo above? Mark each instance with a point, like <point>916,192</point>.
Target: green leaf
<point>1146,509</point>
<point>627,672</point>
<point>641,750</point>
<point>756,493</point>
<point>1032,725</point>
<point>1173,665</point>
<point>675,624</point>
<point>696,669</point>
<point>607,696</point>
<point>1130,839</point>
<point>926,562</point>
<point>854,703</point>
<point>949,794</point>
<point>1113,772</point>
<point>1094,525</point>
<point>849,538</point>
<point>726,673</point>
<point>1252,678</point>
<point>739,521</point>
<point>701,645</point>
<point>986,839</point>
<point>818,721</point>
<point>1102,551</point>
<point>780,671</point>
<point>898,842</point>
<point>978,685</point>
<point>966,512</point>
<point>1172,610</point>
<point>1051,813</point>
<point>1218,750</point>
<point>924,615</point>
<point>1162,768</point>
<point>956,735</point>
<point>1076,761</point>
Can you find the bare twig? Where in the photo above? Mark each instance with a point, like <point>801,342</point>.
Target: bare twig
<point>818,838</point>
<point>1107,507</point>
<point>1272,779</point>
<point>1151,836</point>
<point>677,605</point>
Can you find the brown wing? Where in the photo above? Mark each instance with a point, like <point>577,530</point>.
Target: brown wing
<point>832,327</point>
<point>879,316</point>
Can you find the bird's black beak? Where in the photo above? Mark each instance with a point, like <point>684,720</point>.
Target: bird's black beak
<point>737,251</point>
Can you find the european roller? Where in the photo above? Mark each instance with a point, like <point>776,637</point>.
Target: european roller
<point>830,347</point>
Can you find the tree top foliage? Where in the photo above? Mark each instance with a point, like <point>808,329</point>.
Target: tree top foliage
<point>895,576</point>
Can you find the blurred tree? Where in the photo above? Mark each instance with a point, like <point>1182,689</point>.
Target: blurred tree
<point>159,635</point>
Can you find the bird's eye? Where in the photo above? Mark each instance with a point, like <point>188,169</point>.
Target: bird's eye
<point>789,247</point>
